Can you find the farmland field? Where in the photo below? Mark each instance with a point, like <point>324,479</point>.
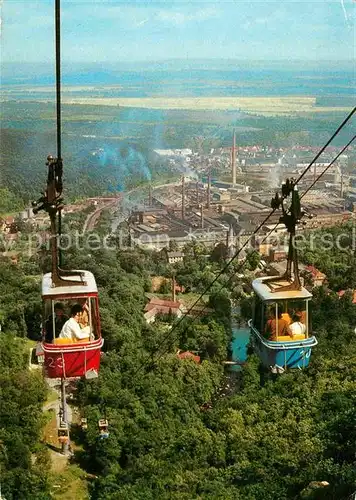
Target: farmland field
<point>266,106</point>
<point>260,89</point>
<point>112,119</point>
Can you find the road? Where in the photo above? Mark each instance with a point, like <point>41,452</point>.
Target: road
<point>93,217</point>
<point>55,405</point>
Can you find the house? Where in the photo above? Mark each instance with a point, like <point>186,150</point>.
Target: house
<point>160,306</point>
<point>318,277</point>
<point>188,355</point>
<point>174,257</point>
<point>8,225</point>
<point>26,214</point>
<point>341,293</point>
<point>277,254</point>
<point>278,268</point>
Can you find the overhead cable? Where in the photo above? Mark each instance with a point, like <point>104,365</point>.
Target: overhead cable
<point>231,260</point>
<point>327,168</point>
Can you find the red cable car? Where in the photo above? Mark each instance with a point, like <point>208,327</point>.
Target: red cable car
<point>66,356</point>
<point>71,325</point>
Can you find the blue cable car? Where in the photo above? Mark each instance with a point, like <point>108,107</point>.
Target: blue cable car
<point>280,328</point>
<point>103,425</point>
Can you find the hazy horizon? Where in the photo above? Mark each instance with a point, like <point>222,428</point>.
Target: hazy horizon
<point>146,31</point>
<point>11,72</point>
<point>199,60</point>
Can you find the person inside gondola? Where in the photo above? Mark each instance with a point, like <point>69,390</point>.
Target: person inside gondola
<point>297,327</point>
<point>71,329</point>
<point>302,316</point>
<point>59,320</point>
<point>276,326</point>
<point>84,316</point>
<point>287,316</point>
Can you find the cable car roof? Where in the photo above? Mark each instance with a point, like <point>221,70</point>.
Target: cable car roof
<point>265,292</point>
<point>88,289</point>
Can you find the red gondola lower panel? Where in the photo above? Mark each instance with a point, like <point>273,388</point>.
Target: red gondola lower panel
<point>72,360</point>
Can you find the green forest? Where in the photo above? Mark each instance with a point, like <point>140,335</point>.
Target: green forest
<point>108,149</point>
<point>334,253</point>
<point>181,430</point>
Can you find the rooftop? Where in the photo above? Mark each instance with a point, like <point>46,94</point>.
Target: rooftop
<point>163,303</point>
<point>342,293</point>
<point>265,293</point>
<point>175,254</point>
<point>188,355</point>
<point>48,290</point>
<point>315,272</point>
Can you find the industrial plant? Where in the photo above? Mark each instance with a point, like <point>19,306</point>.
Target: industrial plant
<point>224,194</point>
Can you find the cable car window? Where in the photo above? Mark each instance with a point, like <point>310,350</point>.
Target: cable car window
<point>276,320</point>
<point>58,312</point>
<point>269,316</point>
<point>55,317</point>
<point>295,312</point>
<point>93,310</point>
<point>258,314</point>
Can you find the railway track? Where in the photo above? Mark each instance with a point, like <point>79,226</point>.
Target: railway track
<point>93,218</point>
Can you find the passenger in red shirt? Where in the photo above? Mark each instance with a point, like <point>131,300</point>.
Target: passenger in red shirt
<point>276,326</point>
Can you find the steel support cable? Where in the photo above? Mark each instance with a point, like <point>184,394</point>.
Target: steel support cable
<point>349,116</point>
<point>327,168</point>
<point>273,210</point>
<point>58,106</point>
<point>58,75</point>
<point>258,228</point>
<point>227,265</point>
<point>239,268</point>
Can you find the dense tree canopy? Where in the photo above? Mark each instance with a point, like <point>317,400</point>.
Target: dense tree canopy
<point>23,460</point>
<point>332,251</point>
<point>8,202</point>
<point>181,429</point>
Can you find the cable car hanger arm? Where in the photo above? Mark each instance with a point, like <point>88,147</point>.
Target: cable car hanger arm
<point>51,201</point>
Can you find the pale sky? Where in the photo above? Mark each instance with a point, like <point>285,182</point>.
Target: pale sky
<point>113,31</point>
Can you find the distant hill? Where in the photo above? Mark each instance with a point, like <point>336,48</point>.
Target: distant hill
<point>111,73</point>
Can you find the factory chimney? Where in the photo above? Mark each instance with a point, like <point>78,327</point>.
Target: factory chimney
<point>201,216</point>
<point>197,193</point>
<point>183,197</point>
<point>233,159</point>
<point>150,196</point>
<point>208,191</point>
<point>342,185</point>
<point>173,288</point>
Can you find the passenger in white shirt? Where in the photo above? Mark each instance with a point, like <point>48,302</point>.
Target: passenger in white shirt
<point>71,329</point>
<point>297,327</point>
